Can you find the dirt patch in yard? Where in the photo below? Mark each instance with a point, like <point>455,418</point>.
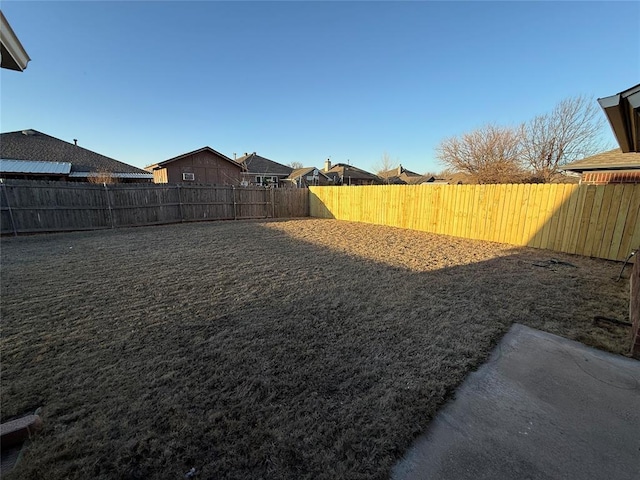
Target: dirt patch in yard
<point>292,349</point>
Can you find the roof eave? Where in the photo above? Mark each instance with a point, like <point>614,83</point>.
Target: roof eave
<point>592,168</point>
<point>623,112</point>
<point>14,56</point>
<point>162,164</point>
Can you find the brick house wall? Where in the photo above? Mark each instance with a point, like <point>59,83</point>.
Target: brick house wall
<point>607,177</point>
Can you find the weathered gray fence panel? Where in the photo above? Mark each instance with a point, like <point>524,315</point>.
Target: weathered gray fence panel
<point>28,206</point>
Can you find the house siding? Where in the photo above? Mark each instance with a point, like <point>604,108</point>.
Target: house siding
<point>206,167</point>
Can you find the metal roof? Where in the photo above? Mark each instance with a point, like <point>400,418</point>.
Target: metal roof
<point>34,166</point>
<point>110,174</point>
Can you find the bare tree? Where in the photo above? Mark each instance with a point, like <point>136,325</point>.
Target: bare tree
<point>385,164</point>
<point>296,165</point>
<point>491,154</point>
<point>102,177</point>
<point>568,133</point>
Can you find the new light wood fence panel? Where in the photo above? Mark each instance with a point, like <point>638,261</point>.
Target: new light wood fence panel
<point>597,221</point>
<point>28,206</point>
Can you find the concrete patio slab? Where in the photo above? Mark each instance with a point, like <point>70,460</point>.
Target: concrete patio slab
<point>542,407</point>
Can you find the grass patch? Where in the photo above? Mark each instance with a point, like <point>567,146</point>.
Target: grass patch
<point>293,349</point>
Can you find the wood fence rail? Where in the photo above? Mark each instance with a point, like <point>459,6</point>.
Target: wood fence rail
<point>595,221</point>
<point>29,207</point>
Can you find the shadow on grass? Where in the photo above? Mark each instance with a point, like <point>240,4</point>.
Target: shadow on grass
<point>248,352</point>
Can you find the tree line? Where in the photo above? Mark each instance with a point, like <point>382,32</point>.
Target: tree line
<point>531,152</point>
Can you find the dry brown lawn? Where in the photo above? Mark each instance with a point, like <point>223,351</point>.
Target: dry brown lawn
<point>284,350</point>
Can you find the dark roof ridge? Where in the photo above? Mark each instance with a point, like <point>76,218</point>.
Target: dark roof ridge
<point>198,150</point>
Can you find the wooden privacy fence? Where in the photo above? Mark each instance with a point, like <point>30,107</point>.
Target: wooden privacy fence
<point>28,206</point>
<point>595,221</point>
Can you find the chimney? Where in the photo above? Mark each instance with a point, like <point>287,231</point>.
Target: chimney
<point>75,142</point>
<point>400,169</point>
<point>327,165</point>
<point>234,155</point>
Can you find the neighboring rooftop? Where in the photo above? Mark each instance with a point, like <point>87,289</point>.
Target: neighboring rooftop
<point>184,155</point>
<point>254,163</point>
<point>346,171</point>
<point>402,176</point>
<point>36,146</point>
<point>299,172</point>
<point>611,160</point>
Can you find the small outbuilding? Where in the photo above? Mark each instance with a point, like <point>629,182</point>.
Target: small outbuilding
<point>204,165</point>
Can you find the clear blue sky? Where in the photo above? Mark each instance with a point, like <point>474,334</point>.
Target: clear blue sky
<point>145,81</point>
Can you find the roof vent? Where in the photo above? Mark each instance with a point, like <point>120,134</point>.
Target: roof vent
<point>75,142</point>
<point>28,132</point>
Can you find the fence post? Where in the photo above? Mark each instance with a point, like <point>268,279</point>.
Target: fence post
<point>6,196</point>
<point>273,203</point>
<point>180,203</point>
<point>235,208</point>
<point>266,202</point>
<point>106,191</point>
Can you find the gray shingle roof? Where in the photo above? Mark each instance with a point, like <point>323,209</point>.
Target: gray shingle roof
<point>355,173</point>
<point>402,176</point>
<point>37,146</point>
<point>611,160</point>
<point>256,164</point>
<point>299,172</point>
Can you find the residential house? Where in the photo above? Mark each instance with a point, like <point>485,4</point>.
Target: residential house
<point>344,174</point>
<point>204,165</point>
<point>32,155</point>
<point>613,166</point>
<point>402,176</point>
<point>308,176</point>
<point>257,170</point>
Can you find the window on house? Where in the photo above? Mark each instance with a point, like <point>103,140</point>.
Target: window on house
<point>188,177</point>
